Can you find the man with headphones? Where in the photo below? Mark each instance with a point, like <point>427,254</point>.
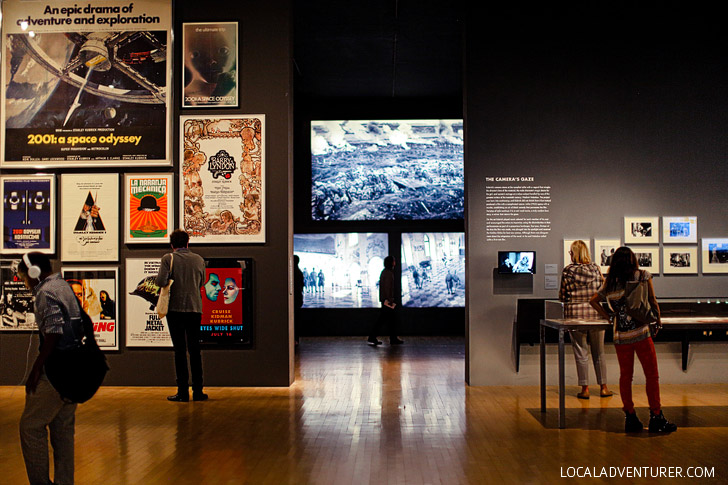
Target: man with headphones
<point>55,309</point>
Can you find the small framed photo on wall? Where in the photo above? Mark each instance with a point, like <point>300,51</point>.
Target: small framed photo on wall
<point>715,255</point>
<point>641,230</point>
<point>679,229</point>
<point>603,252</point>
<point>648,257</point>
<point>680,260</point>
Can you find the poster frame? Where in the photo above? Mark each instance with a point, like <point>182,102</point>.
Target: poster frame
<point>13,10</point>
<point>111,218</point>
<point>654,254</point>
<point>130,302</point>
<point>708,266</point>
<point>596,257</point>
<point>127,209</point>
<point>236,50</point>
<point>208,128</point>
<point>115,269</point>
<point>691,250</point>
<point>692,237</point>
<point>51,178</point>
<point>630,239</point>
<point>567,247</point>
<point>8,269</point>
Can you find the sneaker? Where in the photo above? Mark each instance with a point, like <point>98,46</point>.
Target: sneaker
<point>632,423</point>
<point>374,341</point>
<point>659,424</point>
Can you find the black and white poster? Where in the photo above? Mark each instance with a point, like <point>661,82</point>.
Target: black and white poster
<point>144,328</point>
<point>16,301</point>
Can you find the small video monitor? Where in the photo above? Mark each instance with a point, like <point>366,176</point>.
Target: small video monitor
<point>516,262</point>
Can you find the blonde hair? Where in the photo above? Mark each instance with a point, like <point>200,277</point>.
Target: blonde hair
<point>580,252</point>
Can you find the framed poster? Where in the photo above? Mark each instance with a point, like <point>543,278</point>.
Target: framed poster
<point>86,85</point>
<point>222,177</point>
<point>29,213</point>
<point>680,260</point>
<point>90,217</point>
<point>148,208</point>
<point>648,257</point>
<point>679,230</point>
<point>97,291</point>
<point>144,328</point>
<point>16,301</point>
<point>715,255</point>
<point>603,252</point>
<point>227,302</point>
<point>641,230</point>
<point>210,56</point>
<point>567,248</point>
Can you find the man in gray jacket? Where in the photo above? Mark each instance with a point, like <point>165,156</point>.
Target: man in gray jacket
<point>187,269</point>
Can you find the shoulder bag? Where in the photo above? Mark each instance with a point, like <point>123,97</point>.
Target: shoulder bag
<point>162,306</point>
<point>77,373</point>
<point>638,305</point>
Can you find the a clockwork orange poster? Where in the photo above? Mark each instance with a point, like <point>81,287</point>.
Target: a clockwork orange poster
<point>148,209</point>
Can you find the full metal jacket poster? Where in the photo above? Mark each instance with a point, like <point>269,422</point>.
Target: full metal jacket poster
<point>96,290</point>
<point>16,301</point>
<point>90,217</point>
<point>28,213</point>
<point>85,83</point>
<point>144,328</point>
<point>148,210</point>
<point>223,174</point>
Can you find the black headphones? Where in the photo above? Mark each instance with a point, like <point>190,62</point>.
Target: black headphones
<point>33,269</point>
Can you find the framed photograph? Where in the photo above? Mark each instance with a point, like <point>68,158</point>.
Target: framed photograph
<point>567,248</point>
<point>144,328</point>
<point>29,213</point>
<point>90,217</point>
<point>223,178</point>
<point>148,207</point>
<point>641,230</point>
<point>679,229</point>
<point>227,298</point>
<point>97,291</point>
<point>210,57</point>
<point>90,89</point>
<point>648,257</point>
<point>680,259</point>
<point>715,255</point>
<point>603,252</point>
<point>16,301</point>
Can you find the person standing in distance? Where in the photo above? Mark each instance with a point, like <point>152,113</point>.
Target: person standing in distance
<point>55,308</point>
<point>386,296</point>
<point>185,312</point>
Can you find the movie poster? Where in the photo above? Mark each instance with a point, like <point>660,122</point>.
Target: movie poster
<point>96,290</point>
<point>148,211</point>
<point>86,83</point>
<point>222,176</point>
<point>28,214</point>
<point>90,217</point>
<point>210,56</point>
<point>222,306</point>
<point>16,301</point>
<point>144,328</point>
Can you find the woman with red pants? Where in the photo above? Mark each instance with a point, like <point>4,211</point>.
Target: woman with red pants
<point>632,337</point>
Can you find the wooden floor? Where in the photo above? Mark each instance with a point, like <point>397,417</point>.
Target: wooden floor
<point>387,415</point>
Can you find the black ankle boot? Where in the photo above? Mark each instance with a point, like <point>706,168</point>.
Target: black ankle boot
<point>632,423</point>
<point>658,424</point>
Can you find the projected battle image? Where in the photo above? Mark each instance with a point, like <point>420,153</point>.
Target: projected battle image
<point>387,170</point>
<point>340,270</point>
<point>433,269</point>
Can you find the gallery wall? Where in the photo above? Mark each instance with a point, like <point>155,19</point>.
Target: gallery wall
<point>626,121</point>
<point>265,87</point>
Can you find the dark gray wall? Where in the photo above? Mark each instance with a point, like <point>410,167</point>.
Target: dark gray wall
<point>622,114</point>
<point>265,88</point>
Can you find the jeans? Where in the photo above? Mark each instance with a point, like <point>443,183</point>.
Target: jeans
<point>581,355</point>
<point>645,350</point>
<point>184,328</point>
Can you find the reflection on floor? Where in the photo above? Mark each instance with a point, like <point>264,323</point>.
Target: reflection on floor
<point>359,414</point>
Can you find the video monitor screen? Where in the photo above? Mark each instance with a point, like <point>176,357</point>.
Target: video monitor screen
<point>341,270</point>
<point>433,269</point>
<point>514,262</point>
<point>364,170</point>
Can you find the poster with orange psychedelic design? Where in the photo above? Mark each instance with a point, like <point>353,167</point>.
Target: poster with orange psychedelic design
<point>149,213</point>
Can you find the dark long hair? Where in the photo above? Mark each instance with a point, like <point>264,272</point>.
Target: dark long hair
<point>621,269</point>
